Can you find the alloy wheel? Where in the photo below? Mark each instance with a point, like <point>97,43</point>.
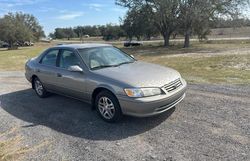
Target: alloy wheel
<point>39,87</point>
<point>106,107</point>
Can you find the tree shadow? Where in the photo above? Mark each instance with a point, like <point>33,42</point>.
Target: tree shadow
<point>6,49</point>
<point>3,49</point>
<point>73,117</point>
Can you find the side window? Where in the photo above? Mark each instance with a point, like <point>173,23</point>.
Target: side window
<point>67,59</point>
<point>50,58</point>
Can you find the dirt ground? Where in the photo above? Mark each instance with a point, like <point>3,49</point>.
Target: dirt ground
<point>212,123</point>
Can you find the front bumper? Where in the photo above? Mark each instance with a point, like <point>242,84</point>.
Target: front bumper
<point>28,77</point>
<point>150,106</point>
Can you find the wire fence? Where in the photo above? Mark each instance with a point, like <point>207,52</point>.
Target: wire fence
<point>230,33</point>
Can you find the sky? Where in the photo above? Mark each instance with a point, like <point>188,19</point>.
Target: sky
<point>69,13</point>
<point>66,13</point>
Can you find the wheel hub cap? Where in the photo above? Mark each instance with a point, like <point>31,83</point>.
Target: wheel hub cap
<point>106,107</point>
<point>39,87</point>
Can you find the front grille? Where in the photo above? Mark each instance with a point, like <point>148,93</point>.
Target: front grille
<point>173,85</point>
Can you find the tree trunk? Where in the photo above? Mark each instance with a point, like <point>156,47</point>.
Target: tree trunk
<point>148,36</point>
<point>187,39</point>
<point>166,40</point>
<point>174,35</point>
<point>130,38</point>
<point>12,46</point>
<point>138,38</point>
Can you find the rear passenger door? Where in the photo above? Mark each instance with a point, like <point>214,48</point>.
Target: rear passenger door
<point>71,83</point>
<point>47,69</point>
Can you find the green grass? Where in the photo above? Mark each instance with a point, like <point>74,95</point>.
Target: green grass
<point>230,32</point>
<point>13,60</point>
<point>212,62</point>
<point>203,62</point>
<point>231,69</point>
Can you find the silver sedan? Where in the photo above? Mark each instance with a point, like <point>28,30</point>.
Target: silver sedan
<point>106,77</point>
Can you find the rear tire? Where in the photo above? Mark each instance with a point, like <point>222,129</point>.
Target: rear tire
<point>39,88</point>
<point>108,107</point>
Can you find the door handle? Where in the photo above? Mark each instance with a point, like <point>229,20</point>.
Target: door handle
<point>59,75</point>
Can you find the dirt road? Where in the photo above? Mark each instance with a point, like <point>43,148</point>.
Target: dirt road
<point>212,123</point>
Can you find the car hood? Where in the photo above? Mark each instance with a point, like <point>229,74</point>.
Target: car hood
<point>140,74</point>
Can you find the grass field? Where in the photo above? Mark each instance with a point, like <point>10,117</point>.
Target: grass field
<point>230,32</point>
<point>211,62</point>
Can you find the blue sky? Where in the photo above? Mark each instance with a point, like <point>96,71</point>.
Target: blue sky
<point>70,13</point>
<point>66,13</point>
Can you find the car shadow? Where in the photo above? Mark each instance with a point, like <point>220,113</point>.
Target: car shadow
<point>73,117</point>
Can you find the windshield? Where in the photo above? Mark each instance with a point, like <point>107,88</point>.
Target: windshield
<point>102,57</point>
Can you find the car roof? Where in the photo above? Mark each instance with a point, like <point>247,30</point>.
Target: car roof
<point>82,46</point>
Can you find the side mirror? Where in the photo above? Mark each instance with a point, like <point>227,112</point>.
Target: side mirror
<point>132,56</point>
<point>75,68</point>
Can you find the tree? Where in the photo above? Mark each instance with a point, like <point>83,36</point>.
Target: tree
<point>52,35</point>
<point>138,23</point>
<point>80,31</point>
<point>132,24</point>
<point>61,33</point>
<point>112,32</point>
<point>196,14</point>
<point>185,16</point>
<point>19,27</point>
<point>165,14</point>
<point>191,13</point>
<point>69,33</point>
<point>128,26</point>
<point>108,32</point>
<point>228,23</point>
<point>32,23</point>
<point>168,12</point>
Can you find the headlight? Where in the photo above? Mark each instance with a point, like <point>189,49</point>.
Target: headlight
<point>142,92</point>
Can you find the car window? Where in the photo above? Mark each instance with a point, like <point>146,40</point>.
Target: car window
<point>50,58</point>
<point>67,59</point>
<point>104,56</point>
<point>112,56</point>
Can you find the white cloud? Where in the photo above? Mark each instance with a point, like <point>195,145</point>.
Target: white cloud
<point>13,3</point>
<point>95,6</point>
<point>6,5</point>
<point>10,5</point>
<point>70,15</point>
<point>97,9</point>
<point>46,9</point>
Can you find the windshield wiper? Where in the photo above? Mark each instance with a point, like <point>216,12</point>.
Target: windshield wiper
<point>125,63</point>
<point>107,66</point>
<point>103,66</point>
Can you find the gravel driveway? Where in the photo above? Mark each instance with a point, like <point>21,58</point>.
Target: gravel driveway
<point>212,123</point>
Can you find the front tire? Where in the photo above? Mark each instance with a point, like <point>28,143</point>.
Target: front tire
<point>39,88</point>
<point>108,107</point>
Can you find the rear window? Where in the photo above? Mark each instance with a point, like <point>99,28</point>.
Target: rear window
<point>50,58</point>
